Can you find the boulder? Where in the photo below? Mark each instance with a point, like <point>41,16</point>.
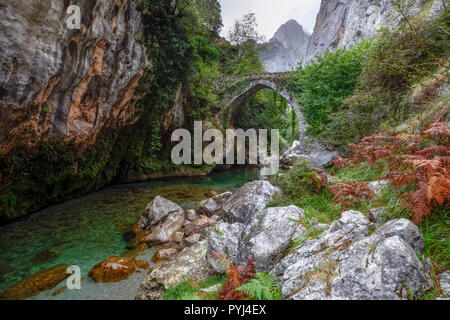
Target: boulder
<point>377,186</point>
<point>248,202</point>
<point>444,282</point>
<point>165,254</point>
<point>202,222</point>
<point>378,215</point>
<point>264,238</point>
<point>188,264</point>
<point>317,154</point>
<point>168,229</point>
<point>189,229</point>
<point>113,269</point>
<point>223,245</point>
<point>209,207</point>
<point>142,264</point>
<point>157,210</point>
<point>192,239</point>
<point>210,194</point>
<point>178,237</point>
<point>221,198</point>
<point>33,285</point>
<point>345,262</point>
<point>268,235</point>
<point>191,215</point>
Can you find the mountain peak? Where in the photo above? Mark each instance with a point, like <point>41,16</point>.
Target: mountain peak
<point>287,47</point>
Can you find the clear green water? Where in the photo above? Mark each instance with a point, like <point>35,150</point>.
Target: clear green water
<point>88,230</point>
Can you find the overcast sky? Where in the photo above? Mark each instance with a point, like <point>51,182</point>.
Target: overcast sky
<point>271,14</point>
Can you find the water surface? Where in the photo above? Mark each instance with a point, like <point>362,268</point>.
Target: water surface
<point>90,229</point>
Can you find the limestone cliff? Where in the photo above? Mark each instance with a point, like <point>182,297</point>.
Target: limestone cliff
<point>57,82</point>
<point>287,47</point>
<point>343,23</point>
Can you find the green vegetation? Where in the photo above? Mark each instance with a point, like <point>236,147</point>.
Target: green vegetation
<point>182,43</point>
<point>327,82</point>
<point>379,82</point>
<point>268,110</point>
<point>263,287</point>
<point>190,290</point>
<point>302,187</point>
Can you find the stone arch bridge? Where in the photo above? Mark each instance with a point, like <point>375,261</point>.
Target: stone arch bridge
<point>235,89</point>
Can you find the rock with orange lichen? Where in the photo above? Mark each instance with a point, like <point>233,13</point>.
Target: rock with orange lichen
<point>113,269</point>
<point>142,264</point>
<point>31,286</point>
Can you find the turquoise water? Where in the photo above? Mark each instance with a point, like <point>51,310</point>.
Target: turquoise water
<point>90,229</point>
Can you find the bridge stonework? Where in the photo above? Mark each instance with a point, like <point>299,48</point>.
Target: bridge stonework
<point>235,89</point>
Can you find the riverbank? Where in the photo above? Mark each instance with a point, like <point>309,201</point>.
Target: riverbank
<point>90,229</point>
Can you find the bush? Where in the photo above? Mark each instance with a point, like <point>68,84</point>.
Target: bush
<point>327,82</point>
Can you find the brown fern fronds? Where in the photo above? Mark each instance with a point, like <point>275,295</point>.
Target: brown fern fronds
<point>430,167</point>
<point>237,276</point>
<point>398,179</point>
<point>438,189</point>
<point>340,163</point>
<point>348,194</point>
<point>418,202</point>
<point>434,151</point>
<point>439,129</point>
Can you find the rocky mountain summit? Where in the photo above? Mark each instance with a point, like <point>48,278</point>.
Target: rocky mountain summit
<point>286,49</point>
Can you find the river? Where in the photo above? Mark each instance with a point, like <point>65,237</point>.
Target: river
<point>90,229</point>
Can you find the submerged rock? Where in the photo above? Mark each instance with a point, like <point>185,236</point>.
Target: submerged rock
<point>209,208</point>
<point>113,269</point>
<point>31,286</point>
<point>221,198</point>
<point>188,264</point>
<point>345,262</point>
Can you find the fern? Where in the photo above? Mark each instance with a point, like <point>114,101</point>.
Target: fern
<point>427,170</point>
<point>340,163</point>
<point>237,276</point>
<point>263,287</point>
<point>350,194</point>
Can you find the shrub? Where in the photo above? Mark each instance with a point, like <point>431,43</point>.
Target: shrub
<point>263,287</point>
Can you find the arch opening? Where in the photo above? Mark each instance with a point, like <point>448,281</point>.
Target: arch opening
<point>254,101</point>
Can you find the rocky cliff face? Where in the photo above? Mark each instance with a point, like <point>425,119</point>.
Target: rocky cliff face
<point>287,47</point>
<point>344,23</point>
<point>57,82</point>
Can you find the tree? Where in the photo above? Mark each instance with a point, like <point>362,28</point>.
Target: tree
<point>245,37</point>
<point>210,13</point>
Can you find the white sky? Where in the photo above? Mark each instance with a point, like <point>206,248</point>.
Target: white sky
<point>271,14</point>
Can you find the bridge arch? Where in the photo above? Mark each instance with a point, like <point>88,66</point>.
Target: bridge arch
<point>237,98</point>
